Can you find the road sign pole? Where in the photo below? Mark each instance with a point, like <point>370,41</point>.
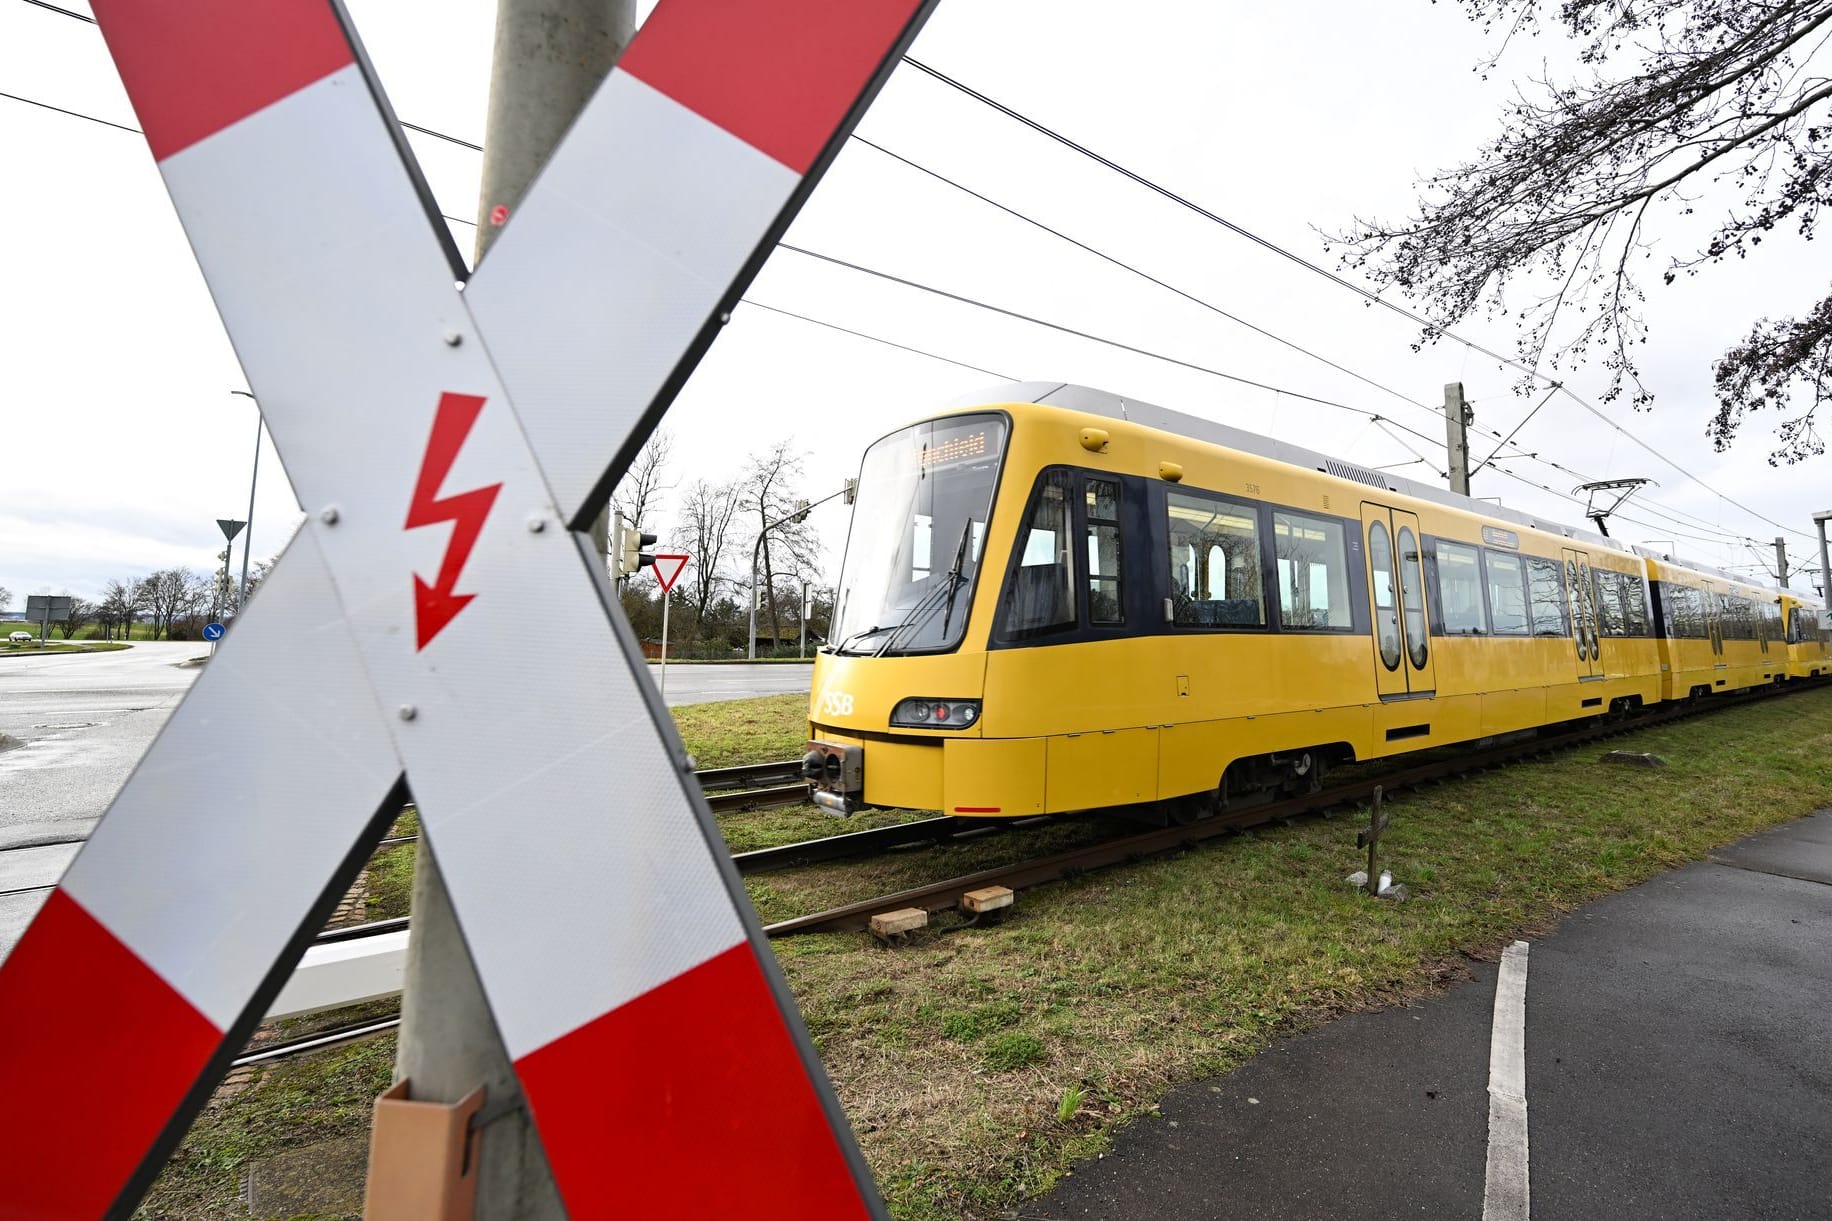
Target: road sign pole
<point>662,679</point>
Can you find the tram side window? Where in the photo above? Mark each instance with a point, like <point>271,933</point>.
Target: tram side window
<point>1739,618</point>
<point>1460,590</point>
<point>1106,601</point>
<point>1633,591</point>
<point>1507,591</point>
<point>1611,621</point>
<point>1546,596</point>
<point>1214,562</point>
<point>1040,598</point>
<point>1685,612</point>
<point>1313,572</point>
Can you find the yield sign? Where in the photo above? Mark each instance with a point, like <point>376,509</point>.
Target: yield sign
<point>668,569</point>
<point>450,447</point>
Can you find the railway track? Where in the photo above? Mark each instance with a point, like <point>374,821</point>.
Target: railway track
<point>945,895</point>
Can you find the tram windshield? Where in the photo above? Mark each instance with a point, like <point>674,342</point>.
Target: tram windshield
<point>918,531</point>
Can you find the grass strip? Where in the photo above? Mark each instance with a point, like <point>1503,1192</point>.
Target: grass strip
<point>978,1064</point>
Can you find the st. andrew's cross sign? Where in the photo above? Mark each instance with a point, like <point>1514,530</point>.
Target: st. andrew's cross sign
<point>449,445</point>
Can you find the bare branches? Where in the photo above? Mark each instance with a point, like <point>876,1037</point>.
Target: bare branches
<point>1719,95</point>
<point>1777,366</point>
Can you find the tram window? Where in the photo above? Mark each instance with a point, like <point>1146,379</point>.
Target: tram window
<point>1386,608</point>
<point>1106,601</point>
<point>1507,591</point>
<point>1685,612</point>
<point>1040,596</point>
<point>1313,572</point>
<point>1635,605</point>
<point>1460,590</point>
<point>1610,619</point>
<point>1546,596</point>
<point>1412,597</point>
<point>1739,618</point>
<point>1214,558</point>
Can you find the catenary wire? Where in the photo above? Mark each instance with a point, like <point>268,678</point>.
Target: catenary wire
<point>1505,441</point>
<point>1301,261</point>
<point>1532,456</point>
<point>1216,218</point>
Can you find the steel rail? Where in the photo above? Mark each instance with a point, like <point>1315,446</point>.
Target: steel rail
<point>321,1041</point>
<point>945,895</point>
<point>946,828</point>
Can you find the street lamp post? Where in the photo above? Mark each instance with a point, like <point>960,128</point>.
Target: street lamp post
<point>248,541</point>
<point>757,552</point>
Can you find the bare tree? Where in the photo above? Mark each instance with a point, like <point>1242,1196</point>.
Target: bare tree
<point>706,522</point>
<point>82,614</point>
<point>639,496</point>
<point>769,490</point>
<point>166,593</point>
<point>121,603</point>
<point>6,598</point>
<point>1684,95</point>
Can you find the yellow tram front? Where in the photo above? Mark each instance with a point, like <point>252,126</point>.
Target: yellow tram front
<point>901,683</point>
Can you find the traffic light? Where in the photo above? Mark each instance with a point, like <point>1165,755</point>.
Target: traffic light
<point>627,545</point>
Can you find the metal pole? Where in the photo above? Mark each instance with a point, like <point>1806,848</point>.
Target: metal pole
<point>1456,436</point>
<point>756,551</point>
<point>1781,562</point>
<point>1825,572</point>
<point>662,679</point>
<point>241,595</point>
<point>801,651</point>
<point>549,58</point>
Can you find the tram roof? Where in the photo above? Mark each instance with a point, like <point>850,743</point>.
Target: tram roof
<point>1090,401</point>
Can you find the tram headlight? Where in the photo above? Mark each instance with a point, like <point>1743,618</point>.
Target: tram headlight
<point>923,713</point>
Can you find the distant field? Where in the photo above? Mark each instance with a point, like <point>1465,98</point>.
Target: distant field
<point>978,1064</point>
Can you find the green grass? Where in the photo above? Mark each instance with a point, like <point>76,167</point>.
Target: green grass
<point>61,646</point>
<point>745,731</point>
<point>977,1063</point>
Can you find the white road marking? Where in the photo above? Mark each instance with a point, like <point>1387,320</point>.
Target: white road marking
<point>1504,1194</point>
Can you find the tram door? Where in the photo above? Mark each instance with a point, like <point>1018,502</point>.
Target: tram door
<point>1581,597</point>
<point>1403,666</point>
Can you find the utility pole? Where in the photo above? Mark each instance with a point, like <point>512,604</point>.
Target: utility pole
<point>1457,416</point>
<point>549,58</point>
<point>1781,561</point>
<point>1825,569</point>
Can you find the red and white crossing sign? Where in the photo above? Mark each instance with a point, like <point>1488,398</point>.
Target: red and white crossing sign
<point>449,444</point>
<point>668,569</point>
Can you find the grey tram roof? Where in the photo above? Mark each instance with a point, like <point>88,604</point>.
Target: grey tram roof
<point>1090,401</point>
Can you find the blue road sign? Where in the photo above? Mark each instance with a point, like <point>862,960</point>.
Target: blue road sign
<point>213,631</point>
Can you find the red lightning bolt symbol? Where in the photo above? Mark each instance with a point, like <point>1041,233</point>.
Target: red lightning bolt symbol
<point>438,604</point>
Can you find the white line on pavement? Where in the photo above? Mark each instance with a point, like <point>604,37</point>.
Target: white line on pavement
<point>1504,1194</point>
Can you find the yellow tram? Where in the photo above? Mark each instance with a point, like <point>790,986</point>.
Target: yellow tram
<point>1057,599</point>
<point>1809,637</point>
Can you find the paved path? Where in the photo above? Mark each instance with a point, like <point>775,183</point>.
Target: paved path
<point>84,720</point>
<point>1677,1066</point>
<point>704,683</point>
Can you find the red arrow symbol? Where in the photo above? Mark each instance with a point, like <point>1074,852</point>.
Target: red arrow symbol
<point>436,605</point>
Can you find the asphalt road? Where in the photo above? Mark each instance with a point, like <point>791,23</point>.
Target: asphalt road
<point>82,721</point>
<point>1675,1067</point>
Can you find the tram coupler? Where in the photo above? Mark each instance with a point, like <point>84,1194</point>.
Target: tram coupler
<point>836,776</point>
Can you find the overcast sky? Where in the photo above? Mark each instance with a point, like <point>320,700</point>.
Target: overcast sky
<point>123,441</point>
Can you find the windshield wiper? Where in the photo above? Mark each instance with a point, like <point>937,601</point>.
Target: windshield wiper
<point>870,631</point>
<point>927,606</point>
